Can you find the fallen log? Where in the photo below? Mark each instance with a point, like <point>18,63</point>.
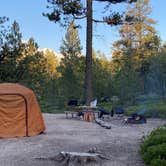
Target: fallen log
<point>103,124</point>
<point>76,158</point>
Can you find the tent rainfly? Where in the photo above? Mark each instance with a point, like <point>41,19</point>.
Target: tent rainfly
<point>20,113</point>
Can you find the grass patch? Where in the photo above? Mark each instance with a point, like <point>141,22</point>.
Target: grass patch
<point>48,107</point>
<point>52,110</point>
<point>154,109</point>
<point>106,105</point>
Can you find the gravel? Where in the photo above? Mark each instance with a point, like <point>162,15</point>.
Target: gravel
<point>120,143</point>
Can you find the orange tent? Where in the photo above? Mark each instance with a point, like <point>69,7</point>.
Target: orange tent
<point>19,112</point>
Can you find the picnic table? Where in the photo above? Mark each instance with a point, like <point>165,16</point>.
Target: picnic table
<point>89,112</point>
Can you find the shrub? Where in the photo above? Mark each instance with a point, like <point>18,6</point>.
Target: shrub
<point>153,148</point>
<point>158,162</point>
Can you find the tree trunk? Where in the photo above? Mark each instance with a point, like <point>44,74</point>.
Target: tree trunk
<point>88,70</point>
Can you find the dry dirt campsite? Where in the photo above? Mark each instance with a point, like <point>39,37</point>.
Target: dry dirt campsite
<point>119,145</point>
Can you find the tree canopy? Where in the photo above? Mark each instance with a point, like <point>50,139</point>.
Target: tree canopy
<point>137,67</point>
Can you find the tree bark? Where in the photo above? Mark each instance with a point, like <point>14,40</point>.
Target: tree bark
<point>88,70</point>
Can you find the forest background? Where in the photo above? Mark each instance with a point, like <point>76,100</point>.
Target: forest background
<point>136,73</point>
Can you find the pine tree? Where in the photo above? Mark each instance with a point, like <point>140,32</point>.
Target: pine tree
<point>141,38</point>
<point>71,66</point>
<point>30,47</point>
<point>64,10</point>
<point>11,50</point>
<point>71,45</point>
<point>3,32</point>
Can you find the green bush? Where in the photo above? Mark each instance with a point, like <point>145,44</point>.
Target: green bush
<point>158,162</point>
<point>155,152</point>
<point>153,148</point>
<point>153,140</point>
<point>106,105</point>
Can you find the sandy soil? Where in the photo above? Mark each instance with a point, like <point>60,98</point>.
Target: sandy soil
<point>120,144</point>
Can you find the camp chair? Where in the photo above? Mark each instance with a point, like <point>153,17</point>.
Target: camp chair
<point>118,111</point>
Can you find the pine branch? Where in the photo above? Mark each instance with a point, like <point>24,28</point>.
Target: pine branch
<point>117,1</point>
<point>3,19</point>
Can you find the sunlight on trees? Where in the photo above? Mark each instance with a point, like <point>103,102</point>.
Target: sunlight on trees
<point>137,66</point>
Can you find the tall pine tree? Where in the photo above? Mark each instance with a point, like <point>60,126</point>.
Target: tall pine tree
<point>11,50</point>
<point>140,39</point>
<point>71,66</point>
<point>77,9</point>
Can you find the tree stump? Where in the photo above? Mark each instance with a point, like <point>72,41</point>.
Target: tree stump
<point>89,116</point>
<point>76,158</point>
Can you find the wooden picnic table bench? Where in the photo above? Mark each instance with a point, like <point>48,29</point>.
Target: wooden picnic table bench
<point>71,112</point>
<point>76,112</point>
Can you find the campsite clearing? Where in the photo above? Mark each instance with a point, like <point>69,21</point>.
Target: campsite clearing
<point>120,144</point>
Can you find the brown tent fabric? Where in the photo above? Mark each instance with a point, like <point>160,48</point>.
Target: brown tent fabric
<point>20,113</point>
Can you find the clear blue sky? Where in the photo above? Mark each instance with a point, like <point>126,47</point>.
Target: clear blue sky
<point>47,34</point>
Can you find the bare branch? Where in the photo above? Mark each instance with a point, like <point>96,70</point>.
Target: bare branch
<point>117,1</point>
<point>99,21</point>
<point>77,18</point>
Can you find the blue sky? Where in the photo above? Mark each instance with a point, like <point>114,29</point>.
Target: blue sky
<point>47,34</point>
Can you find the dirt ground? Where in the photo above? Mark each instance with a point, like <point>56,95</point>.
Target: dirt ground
<point>120,144</point>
